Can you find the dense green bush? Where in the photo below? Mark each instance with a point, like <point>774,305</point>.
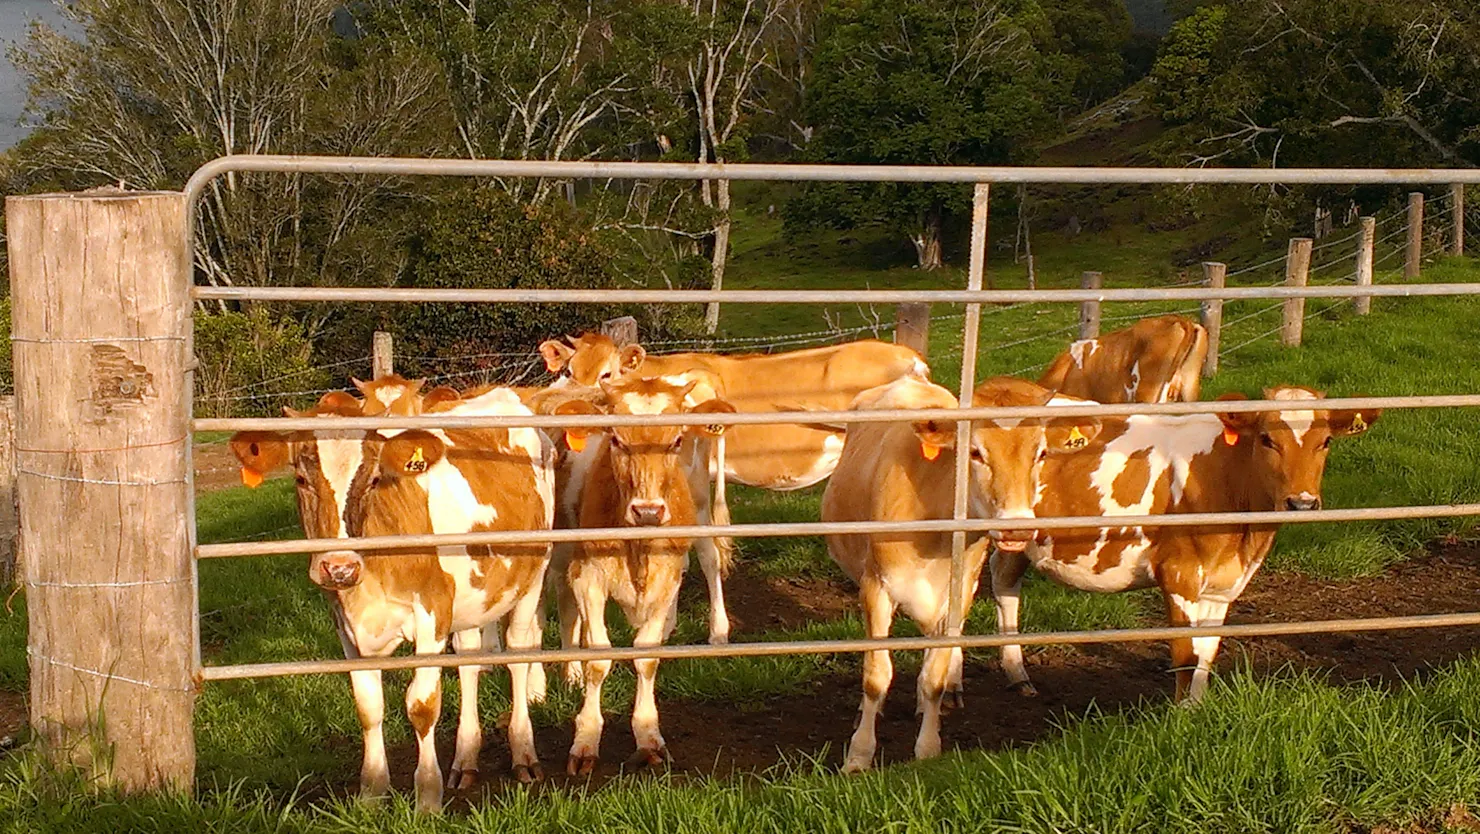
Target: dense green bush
<point>246,359</point>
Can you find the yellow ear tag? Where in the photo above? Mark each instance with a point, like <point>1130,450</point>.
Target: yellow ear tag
<point>251,477</point>
<point>576,442</point>
<point>1358,424</point>
<point>929,450</point>
<point>1230,437</point>
<point>1076,440</point>
<point>417,462</point>
<point>716,429</point>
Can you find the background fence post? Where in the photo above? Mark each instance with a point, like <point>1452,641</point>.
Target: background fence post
<point>912,326</point>
<point>1412,264</point>
<point>382,355</point>
<point>1366,242</point>
<point>1457,205</point>
<point>101,333</point>
<point>1214,275</point>
<point>622,330</point>
<point>1297,274</point>
<point>10,563</point>
<point>1089,311</point>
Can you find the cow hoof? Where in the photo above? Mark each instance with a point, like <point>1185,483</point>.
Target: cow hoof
<point>575,676</point>
<point>462,780</point>
<point>717,639</point>
<point>654,758</point>
<point>953,699</point>
<point>852,767</point>
<point>529,774</point>
<point>502,722</point>
<point>1023,688</point>
<point>580,765</point>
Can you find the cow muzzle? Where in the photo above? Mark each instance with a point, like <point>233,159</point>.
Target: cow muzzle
<point>1303,501</point>
<point>647,513</point>
<point>1013,541</point>
<point>336,571</point>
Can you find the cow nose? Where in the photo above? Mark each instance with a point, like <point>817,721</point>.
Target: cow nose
<point>647,513</point>
<point>338,571</point>
<point>1303,502</point>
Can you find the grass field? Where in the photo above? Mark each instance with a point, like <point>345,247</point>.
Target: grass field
<point>1292,754</point>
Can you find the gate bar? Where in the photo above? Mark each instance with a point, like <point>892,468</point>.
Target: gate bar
<point>970,345</point>
<point>822,528</point>
<point>982,641</point>
<point>525,296</point>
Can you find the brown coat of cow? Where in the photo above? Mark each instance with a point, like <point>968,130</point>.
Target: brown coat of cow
<point>1154,360</point>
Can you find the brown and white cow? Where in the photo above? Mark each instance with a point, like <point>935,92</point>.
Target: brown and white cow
<point>1154,360</point>
<point>1153,465</point>
<point>630,476</point>
<point>355,483</point>
<point>776,457</point>
<point>905,472</point>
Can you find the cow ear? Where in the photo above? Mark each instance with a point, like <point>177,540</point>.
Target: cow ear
<point>556,354</point>
<point>630,357</point>
<point>1239,423</point>
<point>711,406</point>
<point>411,453</point>
<point>1347,423</point>
<point>341,403</point>
<point>440,395</point>
<point>1070,434</point>
<point>935,435</point>
<point>576,436</point>
<point>359,384</point>
<point>260,452</point>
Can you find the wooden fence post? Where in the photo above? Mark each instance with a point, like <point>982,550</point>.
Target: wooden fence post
<point>382,355</point>
<point>1214,275</point>
<point>912,326</point>
<point>1366,242</point>
<point>10,564</point>
<point>1412,264</point>
<point>1457,205</point>
<point>1297,274</point>
<point>1089,311</point>
<point>622,330</point>
<point>99,285</point>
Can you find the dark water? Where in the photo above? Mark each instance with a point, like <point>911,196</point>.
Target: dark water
<point>15,17</point>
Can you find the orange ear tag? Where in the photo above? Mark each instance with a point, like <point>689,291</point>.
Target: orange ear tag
<point>929,450</point>
<point>251,477</point>
<point>576,442</point>
<point>1230,437</point>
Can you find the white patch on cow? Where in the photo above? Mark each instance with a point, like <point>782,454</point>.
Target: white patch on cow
<point>1135,383</point>
<point>389,394</point>
<point>1082,350</point>
<point>1298,421</point>
<point>340,457</point>
<point>920,369</point>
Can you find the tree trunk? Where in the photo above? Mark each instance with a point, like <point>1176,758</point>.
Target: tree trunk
<point>721,251</point>
<point>927,242</point>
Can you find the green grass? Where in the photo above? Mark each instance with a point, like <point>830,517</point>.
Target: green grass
<point>1288,754</point>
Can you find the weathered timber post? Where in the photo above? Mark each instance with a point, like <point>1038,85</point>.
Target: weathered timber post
<point>622,330</point>
<point>1457,205</point>
<point>10,564</point>
<point>382,355</point>
<point>1297,274</point>
<point>1214,275</point>
<point>1089,311</point>
<point>99,285</point>
<point>1366,242</point>
<point>912,326</point>
<point>1412,264</point>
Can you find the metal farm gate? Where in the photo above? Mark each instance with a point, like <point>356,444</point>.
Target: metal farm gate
<point>103,293</point>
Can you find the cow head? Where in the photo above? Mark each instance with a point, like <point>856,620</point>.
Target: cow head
<point>335,474</point>
<point>1007,455</point>
<point>591,359</point>
<point>1289,448</point>
<point>646,461</point>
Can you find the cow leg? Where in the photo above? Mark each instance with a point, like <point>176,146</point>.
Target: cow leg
<point>716,552</point>
<point>651,749</point>
<point>878,672</point>
<point>369,692</point>
<point>524,633</point>
<point>568,609</point>
<point>424,707</point>
<point>584,751</point>
<point>1192,658</point>
<point>1007,584</point>
<point>464,773</point>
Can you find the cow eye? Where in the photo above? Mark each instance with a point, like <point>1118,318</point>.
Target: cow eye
<point>1268,442</point>
<point>1042,454</point>
<point>617,444</point>
<point>604,376</point>
<point>1326,444</point>
<point>300,480</point>
<point>978,455</point>
<point>678,443</point>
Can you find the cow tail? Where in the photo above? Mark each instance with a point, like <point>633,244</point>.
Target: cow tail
<point>720,511</point>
